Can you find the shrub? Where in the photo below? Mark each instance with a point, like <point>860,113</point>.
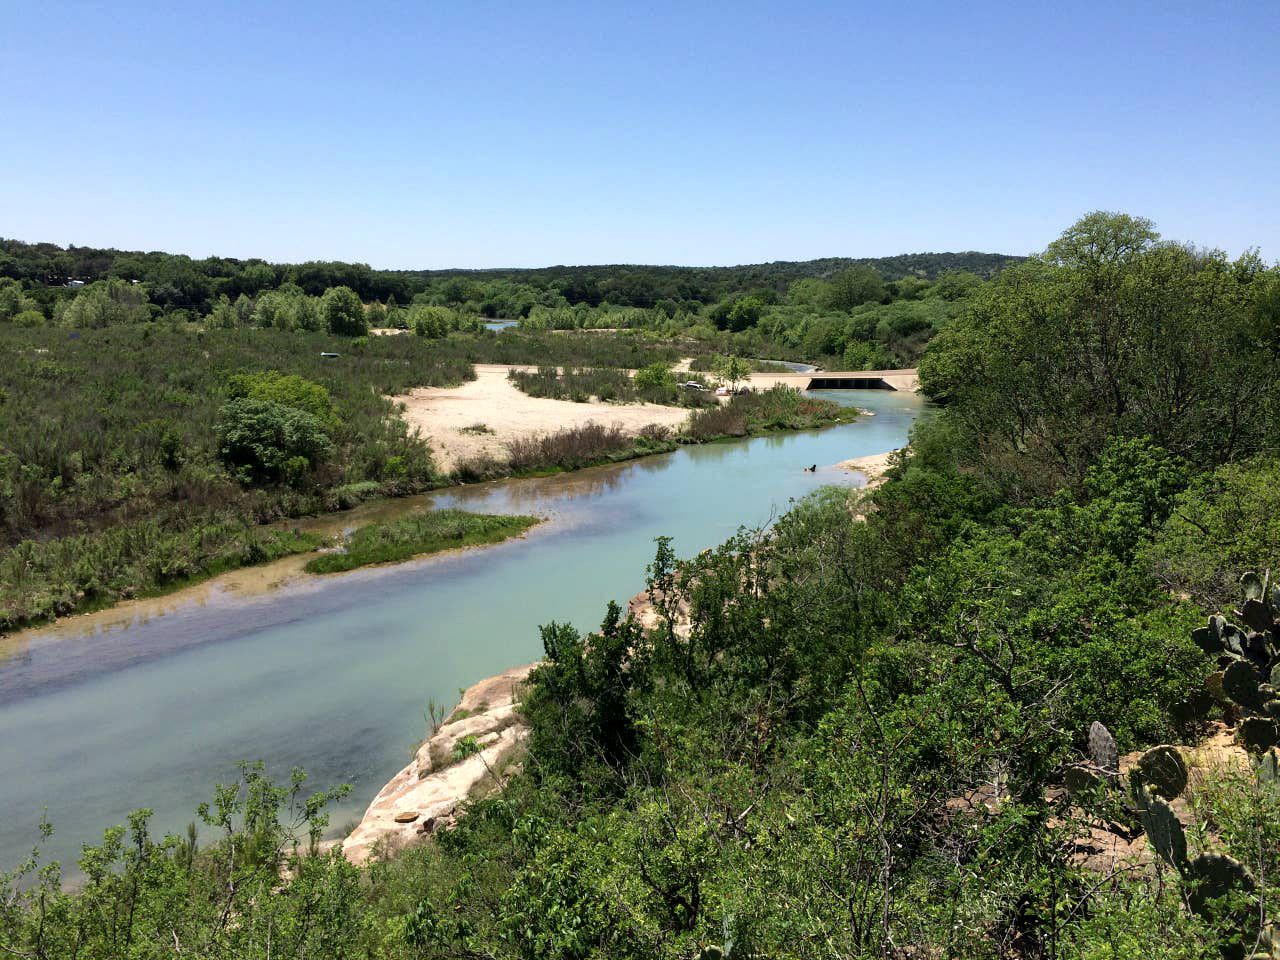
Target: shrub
<point>343,313</point>
<point>266,442</point>
<point>580,446</point>
<point>289,390</point>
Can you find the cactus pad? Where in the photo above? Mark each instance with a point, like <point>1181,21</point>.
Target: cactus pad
<point>1162,826</point>
<point>1102,748</point>
<point>1240,684</point>
<point>1163,771</point>
<point>1257,734</point>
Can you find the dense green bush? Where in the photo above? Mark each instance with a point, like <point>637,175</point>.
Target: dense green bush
<point>778,408</point>
<point>267,442</point>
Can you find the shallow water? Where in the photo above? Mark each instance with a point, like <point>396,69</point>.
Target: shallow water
<point>334,674</point>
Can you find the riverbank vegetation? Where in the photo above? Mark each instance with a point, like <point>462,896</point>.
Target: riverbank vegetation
<point>417,535</point>
<point>763,411</point>
<point>133,458</point>
<point>654,383</point>
<point>897,736</point>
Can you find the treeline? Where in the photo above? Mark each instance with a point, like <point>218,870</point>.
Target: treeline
<point>863,313</point>
<point>196,283</point>
<point>80,286</point>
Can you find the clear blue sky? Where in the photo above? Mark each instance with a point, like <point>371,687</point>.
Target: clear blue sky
<point>523,134</point>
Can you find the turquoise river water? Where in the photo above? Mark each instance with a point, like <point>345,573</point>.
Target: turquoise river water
<point>334,674</point>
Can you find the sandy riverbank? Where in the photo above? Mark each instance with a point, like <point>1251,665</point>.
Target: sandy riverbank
<point>442,414</point>
<point>873,466</point>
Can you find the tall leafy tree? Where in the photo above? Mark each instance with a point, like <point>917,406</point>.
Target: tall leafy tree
<point>342,312</point>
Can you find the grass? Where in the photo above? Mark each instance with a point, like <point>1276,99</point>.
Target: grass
<point>420,534</point>
<point>778,408</point>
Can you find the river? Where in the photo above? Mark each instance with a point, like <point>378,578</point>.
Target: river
<point>334,674</point>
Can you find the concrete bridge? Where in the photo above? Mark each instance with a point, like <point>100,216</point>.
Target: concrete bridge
<point>841,380</point>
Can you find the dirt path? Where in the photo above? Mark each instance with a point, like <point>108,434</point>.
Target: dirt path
<point>444,414</point>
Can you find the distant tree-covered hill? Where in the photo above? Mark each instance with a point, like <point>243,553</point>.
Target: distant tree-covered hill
<point>180,281</point>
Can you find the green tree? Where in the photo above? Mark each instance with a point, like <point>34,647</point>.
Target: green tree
<point>267,442</point>
<point>223,316</point>
<point>290,390</point>
<point>13,301</point>
<point>733,369</point>
<point>745,312</point>
<point>342,313</point>
<point>1109,332</point>
<point>655,378</point>
<point>106,303</point>
<point>851,287</point>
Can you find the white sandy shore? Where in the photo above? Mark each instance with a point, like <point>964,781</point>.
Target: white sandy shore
<point>441,413</point>
<point>873,466</point>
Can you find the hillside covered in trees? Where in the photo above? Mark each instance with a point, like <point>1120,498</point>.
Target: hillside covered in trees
<point>180,281</point>
<point>888,725</point>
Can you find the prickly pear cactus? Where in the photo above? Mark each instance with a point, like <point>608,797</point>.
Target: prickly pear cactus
<point>1163,771</point>
<point>1162,826</point>
<point>1268,769</point>
<point>1212,876</point>
<point>1102,749</point>
<point>1251,586</point>
<point>1240,684</point>
<point>1257,734</point>
<point>1207,640</point>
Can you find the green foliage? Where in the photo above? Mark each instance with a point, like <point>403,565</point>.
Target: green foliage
<point>1110,333</point>
<point>853,287</point>
<point>288,390</point>
<point>651,384</point>
<point>267,442</point>
<point>420,534</point>
<point>1226,523</point>
<point>342,313</point>
<point>733,369</point>
<point>655,378</point>
<point>143,896</point>
<point>778,408</point>
<point>105,304</point>
<point>43,579</point>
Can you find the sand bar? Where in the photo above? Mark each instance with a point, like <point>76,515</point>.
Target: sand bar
<point>442,414</point>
